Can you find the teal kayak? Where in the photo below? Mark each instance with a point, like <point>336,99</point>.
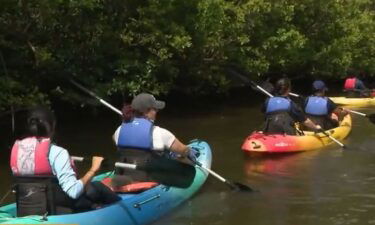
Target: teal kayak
<point>133,208</point>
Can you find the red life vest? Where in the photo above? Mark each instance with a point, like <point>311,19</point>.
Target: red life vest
<point>349,84</point>
<point>29,157</point>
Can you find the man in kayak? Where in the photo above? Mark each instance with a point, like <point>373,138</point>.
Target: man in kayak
<point>142,143</point>
<point>45,179</point>
<point>355,87</point>
<point>322,110</point>
<point>282,113</point>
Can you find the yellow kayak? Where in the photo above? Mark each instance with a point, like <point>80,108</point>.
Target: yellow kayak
<point>262,143</point>
<point>357,102</point>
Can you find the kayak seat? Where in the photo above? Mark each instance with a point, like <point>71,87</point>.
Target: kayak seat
<point>135,187</point>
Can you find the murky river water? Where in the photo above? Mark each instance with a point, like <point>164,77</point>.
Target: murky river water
<point>326,187</point>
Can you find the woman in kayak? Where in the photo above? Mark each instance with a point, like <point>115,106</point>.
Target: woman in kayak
<point>282,113</point>
<point>142,143</point>
<point>45,179</point>
<point>322,110</point>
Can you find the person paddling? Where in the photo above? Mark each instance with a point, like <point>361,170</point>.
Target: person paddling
<point>140,142</point>
<point>45,181</point>
<point>282,113</point>
<point>322,110</point>
<point>354,87</point>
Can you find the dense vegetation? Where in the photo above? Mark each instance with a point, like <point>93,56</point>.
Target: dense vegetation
<point>121,47</point>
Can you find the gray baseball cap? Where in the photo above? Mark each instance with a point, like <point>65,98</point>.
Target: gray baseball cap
<point>144,101</point>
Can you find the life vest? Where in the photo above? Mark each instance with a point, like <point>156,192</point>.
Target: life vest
<point>136,134</point>
<point>350,83</point>
<point>317,106</point>
<point>37,189</point>
<point>134,146</point>
<point>29,157</point>
<point>278,104</point>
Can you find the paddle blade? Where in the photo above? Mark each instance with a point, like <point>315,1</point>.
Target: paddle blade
<point>239,187</point>
<point>371,117</point>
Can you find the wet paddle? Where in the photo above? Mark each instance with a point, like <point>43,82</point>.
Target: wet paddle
<point>371,116</point>
<point>234,186</point>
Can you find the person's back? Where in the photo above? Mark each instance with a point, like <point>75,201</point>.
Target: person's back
<point>319,108</point>
<point>45,181</point>
<point>142,143</point>
<point>278,118</point>
<point>354,87</point>
<point>282,113</point>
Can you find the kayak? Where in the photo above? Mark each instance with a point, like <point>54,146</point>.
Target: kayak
<point>133,208</point>
<point>262,143</point>
<point>356,102</point>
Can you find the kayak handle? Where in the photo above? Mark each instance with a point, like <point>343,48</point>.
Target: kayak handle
<point>138,205</point>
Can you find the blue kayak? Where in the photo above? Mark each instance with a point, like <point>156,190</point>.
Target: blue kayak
<point>133,208</point>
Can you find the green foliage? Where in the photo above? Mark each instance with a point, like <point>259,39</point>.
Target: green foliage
<point>128,46</point>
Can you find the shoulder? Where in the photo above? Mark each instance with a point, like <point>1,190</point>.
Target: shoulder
<point>161,131</point>
<point>58,152</point>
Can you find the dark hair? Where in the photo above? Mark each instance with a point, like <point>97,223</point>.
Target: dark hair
<point>127,112</point>
<point>40,122</point>
<point>282,85</point>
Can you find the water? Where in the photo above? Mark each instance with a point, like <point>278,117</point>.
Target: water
<point>327,187</point>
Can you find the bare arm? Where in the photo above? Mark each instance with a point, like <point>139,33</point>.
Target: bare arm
<point>179,148</point>
<point>95,166</point>
<point>308,123</point>
<point>340,112</point>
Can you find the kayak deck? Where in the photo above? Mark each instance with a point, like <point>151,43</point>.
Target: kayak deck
<point>279,143</point>
<point>133,208</point>
<point>356,102</point>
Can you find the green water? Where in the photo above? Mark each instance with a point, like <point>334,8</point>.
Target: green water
<point>326,187</point>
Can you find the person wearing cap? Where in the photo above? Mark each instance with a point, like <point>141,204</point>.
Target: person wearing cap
<point>322,110</point>
<point>139,141</point>
<point>282,113</point>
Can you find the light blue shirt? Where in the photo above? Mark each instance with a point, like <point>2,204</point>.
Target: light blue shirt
<point>59,160</point>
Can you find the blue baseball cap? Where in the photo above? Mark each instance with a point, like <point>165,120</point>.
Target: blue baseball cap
<point>319,85</point>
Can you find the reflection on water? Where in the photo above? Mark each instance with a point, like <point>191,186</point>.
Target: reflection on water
<point>326,187</point>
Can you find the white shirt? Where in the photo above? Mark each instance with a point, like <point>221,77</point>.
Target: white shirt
<point>161,138</point>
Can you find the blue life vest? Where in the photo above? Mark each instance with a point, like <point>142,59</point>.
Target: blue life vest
<point>317,106</point>
<point>278,104</point>
<point>136,134</point>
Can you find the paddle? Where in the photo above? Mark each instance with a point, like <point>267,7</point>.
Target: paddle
<point>270,95</point>
<point>371,116</point>
<point>247,80</point>
<point>117,164</point>
<point>234,186</point>
<point>97,97</point>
